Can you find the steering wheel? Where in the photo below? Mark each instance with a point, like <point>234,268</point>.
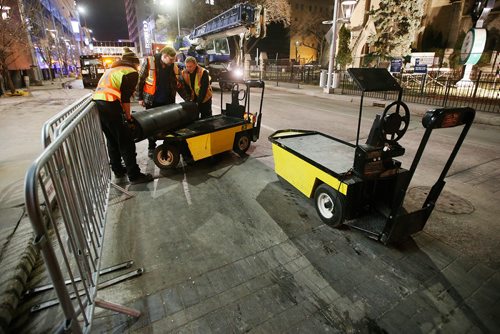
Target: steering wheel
<point>240,93</point>
<point>394,125</point>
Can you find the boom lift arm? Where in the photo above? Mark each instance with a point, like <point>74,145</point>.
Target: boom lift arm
<point>244,20</point>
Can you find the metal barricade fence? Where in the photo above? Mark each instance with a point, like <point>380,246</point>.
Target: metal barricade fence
<point>48,129</point>
<point>76,163</point>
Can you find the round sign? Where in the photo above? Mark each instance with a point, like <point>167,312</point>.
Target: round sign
<point>473,46</point>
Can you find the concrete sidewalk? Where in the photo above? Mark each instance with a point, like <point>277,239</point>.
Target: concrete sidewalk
<point>415,108</point>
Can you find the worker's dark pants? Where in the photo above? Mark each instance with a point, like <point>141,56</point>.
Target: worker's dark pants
<point>205,109</point>
<point>118,137</point>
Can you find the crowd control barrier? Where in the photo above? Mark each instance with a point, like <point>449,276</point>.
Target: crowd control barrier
<point>50,126</point>
<point>73,171</point>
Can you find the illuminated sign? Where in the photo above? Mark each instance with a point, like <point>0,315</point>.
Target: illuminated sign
<point>147,36</point>
<point>424,58</point>
<point>75,26</point>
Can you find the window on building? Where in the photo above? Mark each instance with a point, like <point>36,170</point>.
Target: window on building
<point>210,2</point>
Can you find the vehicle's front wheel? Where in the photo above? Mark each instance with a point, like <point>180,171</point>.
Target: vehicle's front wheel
<point>166,156</point>
<point>330,205</point>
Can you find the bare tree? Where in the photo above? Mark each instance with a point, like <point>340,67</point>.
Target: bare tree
<point>396,23</point>
<point>46,49</point>
<point>13,37</point>
<point>312,31</point>
<point>22,31</point>
<point>65,54</point>
<point>277,10</point>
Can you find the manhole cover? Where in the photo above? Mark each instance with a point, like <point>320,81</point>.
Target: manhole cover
<point>447,202</point>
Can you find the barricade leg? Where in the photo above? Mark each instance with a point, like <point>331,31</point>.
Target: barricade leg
<point>117,308</point>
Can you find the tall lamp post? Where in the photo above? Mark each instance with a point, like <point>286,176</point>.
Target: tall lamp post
<point>169,3</point>
<point>297,44</point>
<point>347,9</point>
<point>83,11</point>
<point>178,21</point>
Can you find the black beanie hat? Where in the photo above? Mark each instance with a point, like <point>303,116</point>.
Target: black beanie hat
<point>129,56</point>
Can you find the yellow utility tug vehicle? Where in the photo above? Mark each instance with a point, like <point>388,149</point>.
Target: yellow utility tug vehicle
<point>195,139</point>
<point>362,185</point>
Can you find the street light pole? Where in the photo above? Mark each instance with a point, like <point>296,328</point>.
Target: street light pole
<point>328,89</point>
<point>178,21</point>
<point>348,7</point>
<point>297,44</point>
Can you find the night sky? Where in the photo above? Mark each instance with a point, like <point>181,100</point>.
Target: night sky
<point>106,18</point>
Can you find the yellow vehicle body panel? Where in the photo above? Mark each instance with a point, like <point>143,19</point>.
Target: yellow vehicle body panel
<point>301,174</point>
<point>209,144</point>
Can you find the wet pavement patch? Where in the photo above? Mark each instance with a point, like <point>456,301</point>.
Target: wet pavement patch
<point>447,202</point>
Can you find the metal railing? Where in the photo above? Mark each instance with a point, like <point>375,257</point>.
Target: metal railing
<point>285,71</point>
<point>48,129</point>
<point>440,89</point>
<point>439,86</point>
<point>74,171</point>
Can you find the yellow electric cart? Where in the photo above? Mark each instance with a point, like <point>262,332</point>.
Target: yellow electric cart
<point>362,185</point>
<point>234,129</point>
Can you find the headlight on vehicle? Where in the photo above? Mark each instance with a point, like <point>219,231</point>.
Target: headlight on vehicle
<point>238,73</point>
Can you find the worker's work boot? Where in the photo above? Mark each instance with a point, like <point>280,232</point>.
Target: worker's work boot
<point>140,178</point>
<point>120,172</point>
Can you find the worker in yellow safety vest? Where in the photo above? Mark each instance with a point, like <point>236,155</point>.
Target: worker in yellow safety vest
<point>112,98</point>
<point>159,80</point>
<point>197,86</point>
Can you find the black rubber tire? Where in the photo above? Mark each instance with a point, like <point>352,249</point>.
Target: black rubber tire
<point>330,205</point>
<point>241,144</point>
<point>166,156</point>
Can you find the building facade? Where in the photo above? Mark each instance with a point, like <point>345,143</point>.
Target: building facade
<point>47,42</point>
<point>443,26</point>
<point>307,42</point>
<point>139,23</point>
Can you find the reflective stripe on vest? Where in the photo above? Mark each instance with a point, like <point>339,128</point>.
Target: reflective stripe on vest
<point>197,81</point>
<point>150,83</point>
<point>108,88</point>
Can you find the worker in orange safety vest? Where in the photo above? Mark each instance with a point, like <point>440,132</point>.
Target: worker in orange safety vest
<point>159,80</point>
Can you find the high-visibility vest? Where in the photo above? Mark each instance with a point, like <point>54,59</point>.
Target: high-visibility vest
<point>199,73</point>
<point>150,83</point>
<point>108,88</point>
